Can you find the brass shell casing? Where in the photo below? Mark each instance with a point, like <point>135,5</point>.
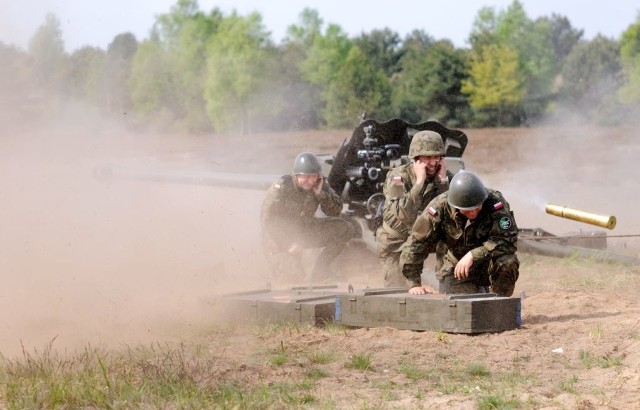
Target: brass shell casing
<point>605,221</point>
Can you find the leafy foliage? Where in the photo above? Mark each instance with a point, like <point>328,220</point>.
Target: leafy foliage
<point>591,79</point>
<point>235,71</point>
<point>206,71</point>
<point>430,82</point>
<point>629,92</point>
<point>496,85</point>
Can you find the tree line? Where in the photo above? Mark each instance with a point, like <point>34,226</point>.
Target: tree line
<point>210,72</point>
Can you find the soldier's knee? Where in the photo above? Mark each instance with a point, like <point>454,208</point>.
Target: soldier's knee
<point>504,274</point>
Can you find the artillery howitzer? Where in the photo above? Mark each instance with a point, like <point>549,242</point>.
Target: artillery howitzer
<point>358,171</point>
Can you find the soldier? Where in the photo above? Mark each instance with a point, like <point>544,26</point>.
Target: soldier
<point>407,190</point>
<point>290,223</point>
<point>480,233</point>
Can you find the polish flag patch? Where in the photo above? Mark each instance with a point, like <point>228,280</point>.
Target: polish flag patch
<point>497,206</point>
<point>432,211</point>
<point>397,179</point>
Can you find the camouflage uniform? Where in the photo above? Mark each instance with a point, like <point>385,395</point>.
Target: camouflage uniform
<point>491,238</point>
<point>288,217</point>
<point>404,201</point>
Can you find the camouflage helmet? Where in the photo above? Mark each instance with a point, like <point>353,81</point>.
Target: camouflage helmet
<point>306,163</point>
<point>427,143</point>
<point>466,191</point>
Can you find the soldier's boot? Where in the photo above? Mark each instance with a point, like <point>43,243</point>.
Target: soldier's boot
<point>323,269</point>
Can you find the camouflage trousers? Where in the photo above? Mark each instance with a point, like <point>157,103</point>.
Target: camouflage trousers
<point>392,268</point>
<point>498,275</point>
<point>329,233</point>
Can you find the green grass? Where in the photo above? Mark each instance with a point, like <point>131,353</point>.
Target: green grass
<point>569,384</point>
<point>413,372</point>
<point>477,370</point>
<point>588,360</point>
<point>152,377</point>
<point>360,361</point>
<point>279,359</point>
<point>316,373</point>
<point>321,357</point>
<point>498,402</point>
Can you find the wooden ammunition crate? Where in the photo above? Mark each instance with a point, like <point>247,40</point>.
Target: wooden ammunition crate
<point>476,313</point>
<point>312,305</point>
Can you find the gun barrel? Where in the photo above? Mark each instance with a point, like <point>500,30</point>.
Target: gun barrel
<point>605,221</point>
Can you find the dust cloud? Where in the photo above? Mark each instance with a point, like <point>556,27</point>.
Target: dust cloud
<point>121,262</point>
<point>128,261</point>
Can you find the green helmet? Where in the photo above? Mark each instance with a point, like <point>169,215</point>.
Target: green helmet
<point>427,143</point>
<point>306,163</point>
<point>466,191</point>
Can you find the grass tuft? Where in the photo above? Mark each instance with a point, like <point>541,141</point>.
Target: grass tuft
<point>361,361</point>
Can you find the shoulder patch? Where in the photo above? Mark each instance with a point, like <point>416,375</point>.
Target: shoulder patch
<point>497,206</point>
<point>504,223</point>
<point>432,211</point>
<point>276,186</point>
<point>397,179</point>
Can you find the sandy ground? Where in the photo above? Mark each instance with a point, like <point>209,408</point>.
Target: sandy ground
<point>123,262</point>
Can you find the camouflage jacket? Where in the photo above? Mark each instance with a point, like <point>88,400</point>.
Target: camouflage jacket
<point>404,201</point>
<point>287,208</point>
<point>491,234</point>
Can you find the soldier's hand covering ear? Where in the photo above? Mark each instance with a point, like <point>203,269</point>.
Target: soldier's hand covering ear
<point>317,187</point>
<point>442,170</point>
<point>420,169</point>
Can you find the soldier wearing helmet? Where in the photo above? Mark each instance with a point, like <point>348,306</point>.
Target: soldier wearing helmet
<point>290,224</point>
<point>481,237</point>
<point>407,190</point>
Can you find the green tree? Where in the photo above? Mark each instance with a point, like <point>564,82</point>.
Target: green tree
<point>172,95</point>
<point>591,78</point>
<point>151,83</point>
<point>120,53</point>
<point>189,62</point>
<point>322,67</point>
<point>46,47</point>
<point>629,93</point>
<point>86,75</point>
<point>358,87</point>
<point>562,34</point>
<point>484,29</point>
<point>20,100</point>
<point>300,101</point>
<point>236,68</point>
<point>382,48</point>
<point>496,85</point>
<point>168,27</point>
<point>532,43</point>
<point>429,83</point>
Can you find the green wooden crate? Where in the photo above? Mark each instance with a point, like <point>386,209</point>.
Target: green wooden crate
<point>476,313</point>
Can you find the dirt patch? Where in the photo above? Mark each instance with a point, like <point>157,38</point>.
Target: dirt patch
<point>131,262</point>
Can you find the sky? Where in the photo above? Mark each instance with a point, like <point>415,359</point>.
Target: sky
<point>96,23</point>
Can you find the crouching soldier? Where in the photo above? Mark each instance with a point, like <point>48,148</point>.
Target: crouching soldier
<point>481,236</point>
<point>290,223</point>
<point>407,191</point>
